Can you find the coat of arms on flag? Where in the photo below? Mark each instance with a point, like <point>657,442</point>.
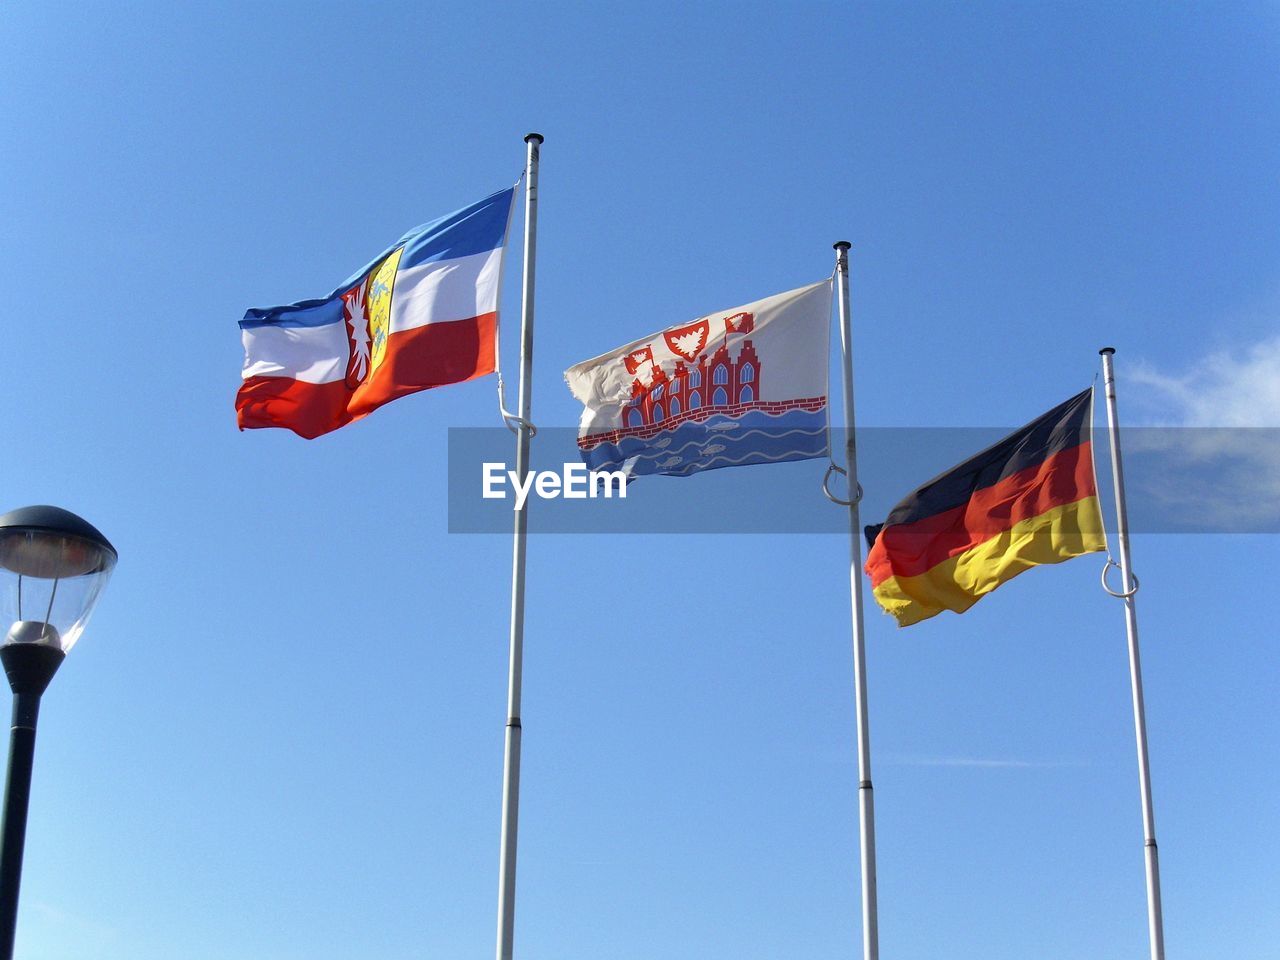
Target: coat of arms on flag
<point>423,314</point>
<point>743,386</point>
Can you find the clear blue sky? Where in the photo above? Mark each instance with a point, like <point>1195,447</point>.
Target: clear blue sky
<point>280,737</point>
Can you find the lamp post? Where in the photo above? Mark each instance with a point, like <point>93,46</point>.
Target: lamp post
<point>53,566</point>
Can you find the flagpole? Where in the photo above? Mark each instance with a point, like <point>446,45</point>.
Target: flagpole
<point>1155,919</point>
<point>866,805</point>
<point>511,751</point>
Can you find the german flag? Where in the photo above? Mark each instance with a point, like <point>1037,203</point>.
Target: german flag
<point>1031,499</point>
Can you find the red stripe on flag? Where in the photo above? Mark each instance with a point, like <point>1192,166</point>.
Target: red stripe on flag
<point>428,356</point>
<point>910,549</point>
<point>308,409</point>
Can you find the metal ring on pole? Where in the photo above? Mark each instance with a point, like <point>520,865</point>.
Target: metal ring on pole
<point>516,424</point>
<point>832,468</point>
<point>1117,594</point>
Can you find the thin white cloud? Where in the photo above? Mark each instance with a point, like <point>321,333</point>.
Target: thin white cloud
<point>1224,389</point>
<point>1214,440</point>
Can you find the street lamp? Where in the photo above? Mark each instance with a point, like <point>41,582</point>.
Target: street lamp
<point>53,566</point>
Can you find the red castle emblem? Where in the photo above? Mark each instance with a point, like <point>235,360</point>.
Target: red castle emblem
<point>705,383</point>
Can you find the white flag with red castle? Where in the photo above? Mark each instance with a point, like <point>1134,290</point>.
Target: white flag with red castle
<point>742,386</point>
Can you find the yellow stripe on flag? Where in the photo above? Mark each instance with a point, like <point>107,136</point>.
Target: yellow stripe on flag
<point>959,582</point>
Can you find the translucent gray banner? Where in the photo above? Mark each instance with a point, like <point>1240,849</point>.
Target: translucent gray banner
<point>1179,480</point>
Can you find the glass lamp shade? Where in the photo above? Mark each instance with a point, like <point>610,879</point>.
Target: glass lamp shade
<point>53,567</point>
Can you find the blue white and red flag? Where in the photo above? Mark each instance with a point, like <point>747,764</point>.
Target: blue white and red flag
<point>422,314</point>
<point>741,386</point>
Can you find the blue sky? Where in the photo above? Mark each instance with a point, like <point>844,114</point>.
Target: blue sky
<point>281,735</point>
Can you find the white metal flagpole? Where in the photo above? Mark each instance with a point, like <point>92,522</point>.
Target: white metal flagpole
<point>1155,919</point>
<point>524,429</point>
<point>866,806</point>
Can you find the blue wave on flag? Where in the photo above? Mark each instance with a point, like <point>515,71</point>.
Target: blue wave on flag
<point>720,440</point>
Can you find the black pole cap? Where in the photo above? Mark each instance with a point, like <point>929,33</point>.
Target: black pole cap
<point>30,666</point>
<point>533,136</point>
<point>55,520</point>
<point>1107,351</point>
<point>841,245</point>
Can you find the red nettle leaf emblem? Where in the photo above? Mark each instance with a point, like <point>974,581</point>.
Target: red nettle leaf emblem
<point>690,340</point>
<point>355,319</point>
<point>637,359</point>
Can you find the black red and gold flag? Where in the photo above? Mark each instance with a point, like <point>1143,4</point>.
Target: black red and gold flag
<point>1030,499</point>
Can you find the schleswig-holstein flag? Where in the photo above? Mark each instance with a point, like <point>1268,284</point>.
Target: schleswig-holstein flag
<point>740,386</point>
<point>423,314</point>
<point>1031,499</point>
